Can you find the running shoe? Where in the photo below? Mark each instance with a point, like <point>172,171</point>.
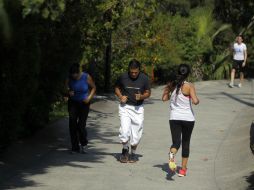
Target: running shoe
<point>124,157</point>
<point>231,85</point>
<point>239,85</point>
<point>74,151</point>
<point>133,158</point>
<point>83,149</point>
<point>182,172</point>
<point>172,165</point>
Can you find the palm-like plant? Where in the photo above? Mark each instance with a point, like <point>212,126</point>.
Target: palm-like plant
<point>207,31</point>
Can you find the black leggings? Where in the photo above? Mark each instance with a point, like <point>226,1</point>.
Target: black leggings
<point>78,113</point>
<point>181,133</point>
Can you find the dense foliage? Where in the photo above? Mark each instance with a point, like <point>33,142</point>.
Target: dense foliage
<point>40,39</point>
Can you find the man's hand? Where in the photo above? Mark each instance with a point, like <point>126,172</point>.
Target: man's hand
<point>138,96</point>
<point>123,99</point>
<point>244,63</point>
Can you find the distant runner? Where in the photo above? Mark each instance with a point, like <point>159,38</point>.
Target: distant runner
<point>181,95</point>
<point>132,88</point>
<point>239,60</point>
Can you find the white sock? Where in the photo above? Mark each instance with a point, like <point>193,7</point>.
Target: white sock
<point>125,146</point>
<point>171,155</point>
<point>133,151</point>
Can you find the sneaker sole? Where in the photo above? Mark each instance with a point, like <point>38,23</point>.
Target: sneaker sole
<point>74,152</point>
<point>180,175</point>
<point>132,162</point>
<point>124,162</point>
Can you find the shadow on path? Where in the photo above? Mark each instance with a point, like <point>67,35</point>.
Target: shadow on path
<point>238,99</point>
<point>49,148</point>
<point>169,173</point>
<point>250,180</point>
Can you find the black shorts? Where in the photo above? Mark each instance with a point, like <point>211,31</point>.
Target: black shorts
<point>238,65</point>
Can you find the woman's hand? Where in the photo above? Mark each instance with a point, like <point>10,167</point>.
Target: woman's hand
<point>65,98</point>
<point>87,101</point>
<point>166,92</point>
<point>244,63</point>
<point>71,93</point>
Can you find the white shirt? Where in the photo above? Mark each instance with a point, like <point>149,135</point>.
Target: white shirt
<point>181,107</point>
<point>239,50</point>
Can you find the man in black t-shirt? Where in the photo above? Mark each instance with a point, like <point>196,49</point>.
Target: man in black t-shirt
<point>132,88</point>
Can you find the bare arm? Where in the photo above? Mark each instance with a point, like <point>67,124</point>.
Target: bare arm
<point>93,89</point>
<point>165,95</point>
<point>145,95</point>
<point>67,90</point>
<point>193,95</point>
<point>123,99</point>
<point>167,92</point>
<point>118,92</point>
<point>245,58</point>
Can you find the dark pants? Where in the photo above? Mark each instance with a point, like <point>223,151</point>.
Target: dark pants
<point>238,66</point>
<point>181,134</point>
<point>78,113</point>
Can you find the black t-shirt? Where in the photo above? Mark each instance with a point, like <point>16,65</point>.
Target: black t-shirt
<point>129,87</point>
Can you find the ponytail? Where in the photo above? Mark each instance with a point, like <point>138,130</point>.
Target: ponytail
<point>179,82</point>
<point>183,73</point>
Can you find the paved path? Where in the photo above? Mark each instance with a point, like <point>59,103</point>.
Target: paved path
<point>220,156</point>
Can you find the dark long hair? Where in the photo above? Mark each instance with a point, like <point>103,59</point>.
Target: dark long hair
<point>74,69</point>
<point>177,81</point>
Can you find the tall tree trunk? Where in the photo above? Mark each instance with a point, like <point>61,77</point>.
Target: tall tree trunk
<point>108,52</point>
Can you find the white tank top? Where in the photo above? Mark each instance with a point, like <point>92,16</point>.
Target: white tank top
<point>180,107</point>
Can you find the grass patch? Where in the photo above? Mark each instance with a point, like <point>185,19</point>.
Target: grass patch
<point>59,110</point>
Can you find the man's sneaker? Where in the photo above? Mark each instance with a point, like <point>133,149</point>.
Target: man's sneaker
<point>124,157</point>
<point>182,172</point>
<point>83,149</point>
<point>133,158</point>
<point>231,85</point>
<point>239,85</point>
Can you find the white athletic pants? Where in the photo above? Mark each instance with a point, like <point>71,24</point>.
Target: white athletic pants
<point>132,118</point>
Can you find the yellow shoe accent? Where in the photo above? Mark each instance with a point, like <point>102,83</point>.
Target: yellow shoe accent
<point>172,165</point>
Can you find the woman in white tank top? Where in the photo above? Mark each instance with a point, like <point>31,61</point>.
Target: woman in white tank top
<point>181,95</point>
<point>180,106</point>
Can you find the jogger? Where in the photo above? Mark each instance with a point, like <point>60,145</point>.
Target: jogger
<point>132,89</point>
<point>78,106</point>
<point>181,95</point>
<point>239,61</point>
